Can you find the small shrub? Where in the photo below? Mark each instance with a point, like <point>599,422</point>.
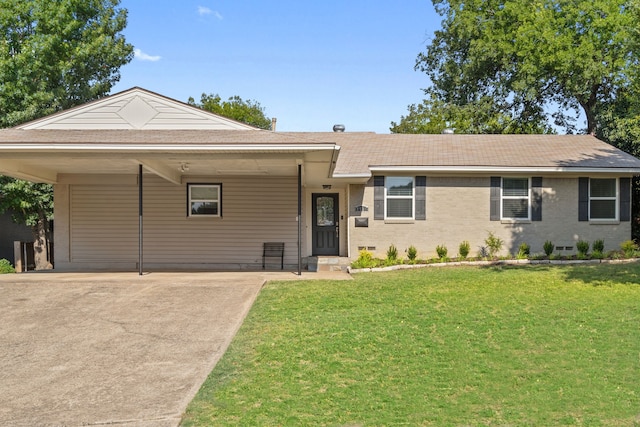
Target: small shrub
<point>548,248</point>
<point>483,252</point>
<point>365,260</point>
<point>583,248</point>
<point>412,253</point>
<point>494,244</point>
<point>597,254</point>
<point>524,250</point>
<point>464,249</point>
<point>6,267</point>
<point>392,253</point>
<point>614,255</point>
<point>629,247</point>
<point>598,246</point>
<point>441,251</point>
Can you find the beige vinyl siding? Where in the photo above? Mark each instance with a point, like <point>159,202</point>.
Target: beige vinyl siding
<point>137,110</point>
<point>104,223</point>
<point>255,210</point>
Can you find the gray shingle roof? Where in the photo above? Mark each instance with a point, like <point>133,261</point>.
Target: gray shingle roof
<point>361,151</point>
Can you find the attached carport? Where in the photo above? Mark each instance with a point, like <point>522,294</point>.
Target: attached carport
<point>116,147</point>
<point>70,157</point>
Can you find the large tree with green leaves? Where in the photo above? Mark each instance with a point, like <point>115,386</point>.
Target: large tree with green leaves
<point>249,111</point>
<point>529,65</point>
<point>54,54</point>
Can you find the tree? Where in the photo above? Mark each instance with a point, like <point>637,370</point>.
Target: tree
<point>483,116</point>
<point>249,112</point>
<point>30,204</point>
<point>58,54</point>
<point>54,54</point>
<point>540,62</point>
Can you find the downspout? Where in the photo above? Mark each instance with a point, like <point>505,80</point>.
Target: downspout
<point>299,219</point>
<point>140,220</point>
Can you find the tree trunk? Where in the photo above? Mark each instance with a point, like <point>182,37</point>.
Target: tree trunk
<point>40,244</point>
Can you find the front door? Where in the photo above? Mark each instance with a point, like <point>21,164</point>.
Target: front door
<point>325,229</point>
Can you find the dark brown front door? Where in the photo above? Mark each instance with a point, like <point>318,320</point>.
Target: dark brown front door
<point>325,228</point>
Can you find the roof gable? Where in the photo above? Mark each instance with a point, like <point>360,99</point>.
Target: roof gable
<point>135,108</point>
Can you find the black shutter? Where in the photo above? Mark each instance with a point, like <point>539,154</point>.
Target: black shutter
<point>421,198</point>
<point>583,199</point>
<point>378,197</point>
<point>494,200</point>
<point>536,198</point>
<point>625,199</point>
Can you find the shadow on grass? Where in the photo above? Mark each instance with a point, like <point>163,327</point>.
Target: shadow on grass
<point>594,274</point>
<point>603,274</point>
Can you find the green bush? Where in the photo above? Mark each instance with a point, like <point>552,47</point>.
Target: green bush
<point>598,246</point>
<point>494,244</point>
<point>392,254</point>
<point>412,253</point>
<point>629,247</point>
<point>583,248</point>
<point>6,267</point>
<point>365,260</point>
<point>464,249</point>
<point>548,247</point>
<point>524,250</point>
<point>442,251</point>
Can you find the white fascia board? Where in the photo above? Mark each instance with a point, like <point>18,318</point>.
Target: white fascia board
<point>507,169</point>
<point>165,147</point>
<point>352,175</point>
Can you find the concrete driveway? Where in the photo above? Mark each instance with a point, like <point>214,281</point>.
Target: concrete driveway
<point>114,349</point>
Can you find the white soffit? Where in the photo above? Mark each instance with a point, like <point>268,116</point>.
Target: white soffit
<point>135,109</point>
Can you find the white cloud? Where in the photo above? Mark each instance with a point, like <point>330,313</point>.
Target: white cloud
<point>139,54</point>
<point>203,11</point>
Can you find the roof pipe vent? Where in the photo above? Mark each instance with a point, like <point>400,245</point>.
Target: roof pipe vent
<point>338,128</point>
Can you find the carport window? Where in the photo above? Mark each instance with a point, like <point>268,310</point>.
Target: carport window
<point>204,200</point>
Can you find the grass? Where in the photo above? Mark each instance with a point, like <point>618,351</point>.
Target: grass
<point>464,346</point>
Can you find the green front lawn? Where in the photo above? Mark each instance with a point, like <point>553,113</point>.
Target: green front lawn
<point>462,346</point>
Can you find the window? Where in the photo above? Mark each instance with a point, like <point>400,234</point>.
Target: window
<point>603,199</point>
<point>399,197</point>
<point>204,200</point>
<point>516,199</point>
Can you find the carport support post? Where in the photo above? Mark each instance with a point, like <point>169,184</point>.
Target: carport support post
<point>299,220</point>
<point>140,220</point>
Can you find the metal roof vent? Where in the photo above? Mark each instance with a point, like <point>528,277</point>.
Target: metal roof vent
<point>338,128</point>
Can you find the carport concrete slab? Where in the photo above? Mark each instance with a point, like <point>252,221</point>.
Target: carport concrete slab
<point>115,349</point>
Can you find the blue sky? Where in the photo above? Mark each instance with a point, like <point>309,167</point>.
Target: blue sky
<point>309,64</point>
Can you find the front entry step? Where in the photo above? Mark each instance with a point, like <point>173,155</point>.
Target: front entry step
<point>327,263</point>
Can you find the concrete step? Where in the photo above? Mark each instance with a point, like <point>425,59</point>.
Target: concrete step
<point>328,263</point>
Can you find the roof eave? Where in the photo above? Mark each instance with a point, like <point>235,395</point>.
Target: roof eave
<point>162,148</point>
<point>506,169</point>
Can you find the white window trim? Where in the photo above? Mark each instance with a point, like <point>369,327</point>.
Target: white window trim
<point>616,200</point>
<point>218,200</point>
<point>412,197</point>
<point>503,197</point>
